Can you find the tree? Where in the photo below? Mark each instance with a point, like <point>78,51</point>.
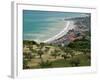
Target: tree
<point>47,49</point>
<point>28,55</point>
<point>80,44</point>
<point>68,50</point>
<point>40,53</point>
<point>64,56</point>
<point>46,64</point>
<point>55,53</point>
<point>34,52</point>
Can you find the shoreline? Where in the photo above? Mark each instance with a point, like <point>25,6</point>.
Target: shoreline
<point>65,30</point>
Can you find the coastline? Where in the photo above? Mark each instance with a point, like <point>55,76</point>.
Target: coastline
<point>65,30</point>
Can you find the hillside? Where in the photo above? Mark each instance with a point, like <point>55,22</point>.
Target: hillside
<point>81,29</point>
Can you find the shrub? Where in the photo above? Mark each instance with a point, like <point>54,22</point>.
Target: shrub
<point>46,64</point>
<point>25,64</point>
<point>75,61</point>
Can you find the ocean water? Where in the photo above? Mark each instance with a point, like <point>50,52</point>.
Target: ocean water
<point>42,25</point>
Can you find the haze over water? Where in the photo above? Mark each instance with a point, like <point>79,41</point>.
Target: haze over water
<point>42,25</point>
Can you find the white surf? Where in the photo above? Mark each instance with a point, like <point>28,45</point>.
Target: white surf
<point>69,25</point>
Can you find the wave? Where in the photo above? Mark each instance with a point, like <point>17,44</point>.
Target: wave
<point>69,26</point>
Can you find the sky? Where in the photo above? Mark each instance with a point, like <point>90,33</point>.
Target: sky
<point>42,25</point>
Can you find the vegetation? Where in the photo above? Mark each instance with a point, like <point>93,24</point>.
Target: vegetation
<point>42,55</point>
<point>46,64</point>
<point>75,61</point>
<point>81,44</point>
<point>55,53</point>
<point>25,64</point>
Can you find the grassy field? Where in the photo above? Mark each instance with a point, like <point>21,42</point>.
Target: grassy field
<point>83,61</point>
<point>42,55</point>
